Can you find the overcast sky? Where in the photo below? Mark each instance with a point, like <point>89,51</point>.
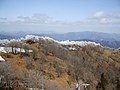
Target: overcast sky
<point>61,16</point>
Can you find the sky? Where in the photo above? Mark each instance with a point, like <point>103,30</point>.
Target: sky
<point>61,16</point>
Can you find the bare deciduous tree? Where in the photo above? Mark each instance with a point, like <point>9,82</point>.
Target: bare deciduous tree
<point>34,79</point>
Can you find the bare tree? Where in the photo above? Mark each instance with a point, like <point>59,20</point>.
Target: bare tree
<point>34,79</point>
<point>7,70</point>
<point>34,53</point>
<point>26,48</point>
<point>7,49</point>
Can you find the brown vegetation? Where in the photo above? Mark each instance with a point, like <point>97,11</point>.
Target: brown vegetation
<point>54,67</point>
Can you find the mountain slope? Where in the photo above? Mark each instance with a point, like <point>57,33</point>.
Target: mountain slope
<point>59,67</point>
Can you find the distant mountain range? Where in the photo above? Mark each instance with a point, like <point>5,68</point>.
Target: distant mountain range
<point>85,35</point>
<point>2,36</point>
<point>105,39</point>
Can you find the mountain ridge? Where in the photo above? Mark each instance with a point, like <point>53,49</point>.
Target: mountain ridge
<point>111,40</point>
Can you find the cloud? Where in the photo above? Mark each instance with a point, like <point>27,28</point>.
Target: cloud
<point>105,18</point>
<point>99,14</point>
<point>35,19</point>
<point>43,17</point>
<point>100,17</point>
<point>99,21</point>
<point>23,18</point>
<point>3,18</point>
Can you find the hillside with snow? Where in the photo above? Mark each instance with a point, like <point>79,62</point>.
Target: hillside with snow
<point>36,38</point>
<point>104,39</point>
<point>32,62</point>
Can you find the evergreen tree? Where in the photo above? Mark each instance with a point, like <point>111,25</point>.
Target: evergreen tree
<point>104,82</point>
<point>117,83</point>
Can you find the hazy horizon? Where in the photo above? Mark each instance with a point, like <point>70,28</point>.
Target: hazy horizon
<point>50,32</point>
<point>60,16</point>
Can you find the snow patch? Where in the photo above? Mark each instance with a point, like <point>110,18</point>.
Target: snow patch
<point>33,37</point>
<point>72,48</point>
<point>1,59</point>
<point>80,43</point>
<point>9,49</point>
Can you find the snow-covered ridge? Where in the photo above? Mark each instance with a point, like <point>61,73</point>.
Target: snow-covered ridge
<point>67,42</point>
<point>36,38</point>
<point>80,43</point>
<point>27,37</point>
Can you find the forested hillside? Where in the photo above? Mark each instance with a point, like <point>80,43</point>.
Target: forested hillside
<point>44,64</point>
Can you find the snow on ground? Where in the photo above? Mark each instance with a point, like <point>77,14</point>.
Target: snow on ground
<point>4,41</point>
<point>2,49</point>
<point>1,59</point>
<point>80,43</point>
<point>67,42</point>
<point>72,48</point>
<point>9,49</point>
<point>36,38</point>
